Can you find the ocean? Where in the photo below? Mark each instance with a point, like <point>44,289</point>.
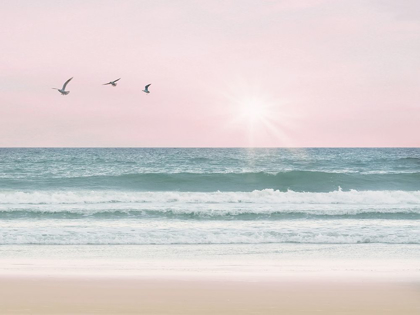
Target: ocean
<point>252,202</point>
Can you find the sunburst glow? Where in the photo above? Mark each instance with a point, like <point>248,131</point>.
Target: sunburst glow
<point>253,111</point>
<point>260,117</point>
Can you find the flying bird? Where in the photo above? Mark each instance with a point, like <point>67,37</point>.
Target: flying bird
<point>63,89</point>
<point>146,88</point>
<point>113,83</point>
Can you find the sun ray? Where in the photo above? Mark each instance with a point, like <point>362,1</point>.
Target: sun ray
<point>259,117</point>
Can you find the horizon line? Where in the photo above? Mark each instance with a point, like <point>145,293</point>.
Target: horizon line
<point>208,147</point>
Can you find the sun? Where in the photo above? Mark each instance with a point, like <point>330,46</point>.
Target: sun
<point>253,111</point>
<point>255,116</point>
<point>260,118</point>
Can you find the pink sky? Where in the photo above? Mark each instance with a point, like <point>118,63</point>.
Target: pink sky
<point>327,73</point>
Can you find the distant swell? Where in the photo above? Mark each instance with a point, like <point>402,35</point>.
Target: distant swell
<point>311,181</point>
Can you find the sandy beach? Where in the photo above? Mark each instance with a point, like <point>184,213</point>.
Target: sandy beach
<point>152,280</point>
<point>120,295</point>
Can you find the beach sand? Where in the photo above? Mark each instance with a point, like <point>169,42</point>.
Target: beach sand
<point>202,295</point>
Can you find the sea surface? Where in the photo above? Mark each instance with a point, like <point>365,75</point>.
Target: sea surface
<point>252,201</point>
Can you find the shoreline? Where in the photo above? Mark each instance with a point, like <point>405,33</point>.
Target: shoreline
<point>374,261</point>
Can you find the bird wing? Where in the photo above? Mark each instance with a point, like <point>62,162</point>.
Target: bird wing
<point>116,80</point>
<point>147,87</point>
<point>107,83</point>
<point>65,84</point>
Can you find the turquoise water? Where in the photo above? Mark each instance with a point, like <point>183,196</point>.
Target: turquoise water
<point>209,196</point>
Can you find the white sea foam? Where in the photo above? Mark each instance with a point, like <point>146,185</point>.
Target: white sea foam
<point>211,205</point>
<point>216,204</point>
<point>265,216</point>
<point>266,196</point>
<point>141,232</point>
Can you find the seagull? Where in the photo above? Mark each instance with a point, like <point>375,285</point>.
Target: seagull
<point>146,88</point>
<point>113,83</point>
<point>63,89</point>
